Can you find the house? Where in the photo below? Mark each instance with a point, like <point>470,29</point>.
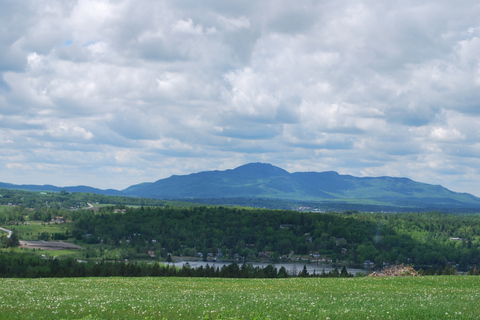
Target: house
<point>151,253</point>
<point>305,208</point>
<point>60,219</point>
<point>267,254</point>
<point>368,263</point>
<point>219,253</point>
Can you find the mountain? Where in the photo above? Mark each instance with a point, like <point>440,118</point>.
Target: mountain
<point>265,181</point>
<point>264,184</point>
<point>47,187</point>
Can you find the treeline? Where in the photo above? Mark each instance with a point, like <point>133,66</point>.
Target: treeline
<point>26,200</point>
<point>15,265</point>
<point>420,239</point>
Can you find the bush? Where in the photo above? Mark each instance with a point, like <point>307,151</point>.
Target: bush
<point>399,270</point>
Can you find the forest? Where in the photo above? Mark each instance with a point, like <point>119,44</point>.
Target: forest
<point>420,239</point>
<point>241,234</point>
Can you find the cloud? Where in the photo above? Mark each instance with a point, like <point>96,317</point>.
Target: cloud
<point>112,93</point>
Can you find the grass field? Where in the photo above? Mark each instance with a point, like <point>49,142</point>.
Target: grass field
<point>34,228</point>
<point>439,297</point>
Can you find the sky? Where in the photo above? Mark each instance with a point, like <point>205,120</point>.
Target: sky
<point>114,93</point>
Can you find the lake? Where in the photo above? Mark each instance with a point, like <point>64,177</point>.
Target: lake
<point>291,267</point>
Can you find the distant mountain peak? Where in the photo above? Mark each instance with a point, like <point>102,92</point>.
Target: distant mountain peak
<point>260,168</point>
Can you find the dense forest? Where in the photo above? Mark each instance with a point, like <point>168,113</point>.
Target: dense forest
<point>421,239</point>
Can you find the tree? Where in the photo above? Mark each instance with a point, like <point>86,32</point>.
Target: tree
<point>44,236</point>
<point>343,272</point>
<point>304,273</point>
<point>13,240</point>
<point>334,273</point>
<point>282,273</point>
<point>439,271</point>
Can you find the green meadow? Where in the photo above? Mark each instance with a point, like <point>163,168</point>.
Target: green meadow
<point>434,297</point>
<point>33,229</point>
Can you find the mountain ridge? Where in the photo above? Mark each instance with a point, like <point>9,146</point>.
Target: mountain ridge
<point>266,181</point>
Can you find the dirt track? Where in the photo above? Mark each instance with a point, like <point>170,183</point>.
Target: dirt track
<point>48,245</point>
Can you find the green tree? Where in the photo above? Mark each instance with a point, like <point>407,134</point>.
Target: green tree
<point>13,240</point>
<point>304,273</point>
<point>344,272</point>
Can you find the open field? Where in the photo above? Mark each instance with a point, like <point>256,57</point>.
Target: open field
<point>440,297</point>
<point>62,254</point>
<point>31,230</point>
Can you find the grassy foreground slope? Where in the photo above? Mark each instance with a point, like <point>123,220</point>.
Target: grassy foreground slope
<point>441,297</point>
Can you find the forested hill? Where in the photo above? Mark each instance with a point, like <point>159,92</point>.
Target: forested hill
<point>84,189</point>
<point>265,181</point>
<point>260,182</point>
<point>422,239</point>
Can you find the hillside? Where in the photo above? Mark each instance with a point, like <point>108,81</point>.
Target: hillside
<point>47,187</point>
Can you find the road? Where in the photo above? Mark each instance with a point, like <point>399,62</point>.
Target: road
<point>6,230</point>
<point>48,245</point>
<point>45,245</point>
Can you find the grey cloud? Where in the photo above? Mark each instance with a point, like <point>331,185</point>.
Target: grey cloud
<point>18,123</point>
<point>155,49</point>
<point>134,125</point>
<point>241,44</point>
<point>4,87</point>
<point>256,132</point>
<point>295,19</point>
<point>16,19</point>
<point>412,115</point>
<point>74,52</point>
<point>331,144</point>
<point>396,148</point>
<point>462,150</point>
